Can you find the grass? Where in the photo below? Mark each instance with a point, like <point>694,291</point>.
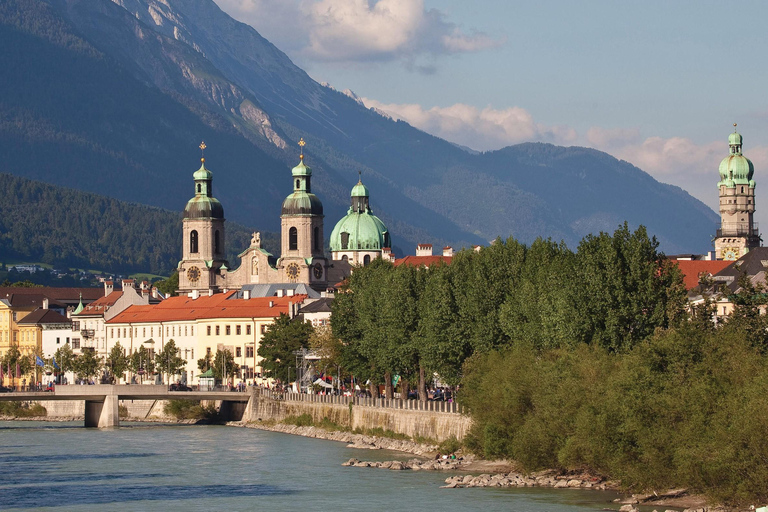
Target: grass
<point>190,410</point>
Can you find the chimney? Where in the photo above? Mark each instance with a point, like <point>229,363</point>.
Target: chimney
<point>279,293</point>
<point>154,292</point>
<point>246,294</point>
<point>448,251</point>
<point>210,292</point>
<point>45,303</point>
<point>271,303</point>
<point>424,250</point>
<point>195,294</point>
<point>128,283</point>
<point>109,286</point>
<point>290,310</point>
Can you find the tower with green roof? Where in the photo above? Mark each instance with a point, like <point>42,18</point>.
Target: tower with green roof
<point>360,236</point>
<point>203,265</point>
<point>738,232</point>
<point>302,256</point>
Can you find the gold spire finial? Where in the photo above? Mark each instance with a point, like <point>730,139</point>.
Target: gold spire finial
<point>302,144</point>
<point>202,151</point>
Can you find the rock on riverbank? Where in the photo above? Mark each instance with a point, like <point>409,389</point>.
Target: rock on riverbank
<point>352,440</point>
<point>413,464</point>
<point>544,479</point>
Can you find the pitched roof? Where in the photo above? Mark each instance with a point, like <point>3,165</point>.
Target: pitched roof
<point>693,269</point>
<point>100,305</point>
<point>61,294</point>
<point>318,306</point>
<point>28,300</point>
<point>220,305</point>
<point>44,316</point>
<point>426,261</point>
<point>751,264</point>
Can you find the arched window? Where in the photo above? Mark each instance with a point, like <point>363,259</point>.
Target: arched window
<point>293,239</point>
<point>193,241</point>
<point>199,188</point>
<point>316,238</point>
<point>366,259</point>
<point>344,258</point>
<point>344,240</point>
<point>297,184</point>
<point>216,243</point>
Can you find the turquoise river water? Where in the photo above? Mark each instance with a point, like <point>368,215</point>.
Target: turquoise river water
<point>62,466</point>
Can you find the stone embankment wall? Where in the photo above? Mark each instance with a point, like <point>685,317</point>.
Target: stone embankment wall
<point>137,409</point>
<point>403,417</point>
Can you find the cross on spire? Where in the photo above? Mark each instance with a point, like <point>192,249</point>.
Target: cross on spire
<point>302,144</point>
<point>202,147</point>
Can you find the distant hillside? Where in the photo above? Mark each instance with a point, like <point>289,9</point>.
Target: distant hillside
<point>66,227</point>
<point>113,97</point>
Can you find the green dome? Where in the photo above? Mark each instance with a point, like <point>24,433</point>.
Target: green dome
<point>301,169</point>
<point>736,169</point>
<point>359,190</point>
<point>302,203</point>
<point>361,232</point>
<point>734,138</point>
<point>203,206</point>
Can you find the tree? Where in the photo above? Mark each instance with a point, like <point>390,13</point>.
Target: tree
<point>87,365</point>
<point>117,362</point>
<point>224,366</point>
<point>168,286</point>
<point>168,360</point>
<point>13,358</point>
<point>141,362</point>
<point>283,337</point>
<point>65,359</point>
<point>204,363</point>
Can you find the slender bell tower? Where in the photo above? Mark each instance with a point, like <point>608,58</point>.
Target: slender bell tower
<point>738,232</point>
<point>202,266</point>
<point>302,258</point>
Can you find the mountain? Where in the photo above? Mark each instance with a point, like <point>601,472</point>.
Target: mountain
<point>67,227</point>
<point>113,96</point>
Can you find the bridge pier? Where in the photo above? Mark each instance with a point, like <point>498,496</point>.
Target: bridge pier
<point>102,414</point>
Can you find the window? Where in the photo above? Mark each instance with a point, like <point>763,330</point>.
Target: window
<point>125,332</point>
<point>193,241</point>
<point>238,352</point>
<point>344,240</point>
<point>293,241</point>
<point>167,331</point>
<point>14,316</point>
<point>58,340</point>
<point>228,330</point>
<point>298,184</point>
<point>207,350</point>
<point>185,330</point>
<point>209,330</point>
<point>263,329</point>
<point>144,332</point>
<point>216,243</point>
<point>75,325</point>
<point>247,329</point>
<point>237,330</point>
<point>344,258</point>
<point>366,259</point>
<point>112,332</point>
<point>151,331</point>
<point>75,342</point>
<point>199,188</point>
<point>218,330</point>
<point>173,331</point>
<point>191,330</point>
<point>193,353</point>
<point>316,238</point>
<point>248,351</point>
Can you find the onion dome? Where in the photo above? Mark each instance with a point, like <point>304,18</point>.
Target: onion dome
<point>203,205</point>
<point>736,169</point>
<point>302,201</point>
<point>360,229</point>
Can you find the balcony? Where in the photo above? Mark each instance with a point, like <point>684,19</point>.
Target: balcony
<point>87,333</point>
<point>738,229</point>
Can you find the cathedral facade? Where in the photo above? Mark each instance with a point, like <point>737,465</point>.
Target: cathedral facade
<point>203,268</point>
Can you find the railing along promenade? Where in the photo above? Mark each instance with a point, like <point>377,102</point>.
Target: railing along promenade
<point>362,401</point>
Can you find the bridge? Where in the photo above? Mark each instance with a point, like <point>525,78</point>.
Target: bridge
<point>101,400</point>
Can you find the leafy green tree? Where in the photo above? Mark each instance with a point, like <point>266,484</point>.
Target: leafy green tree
<point>283,337</point>
<point>14,357</point>
<point>141,361</point>
<point>169,286</point>
<point>117,362</point>
<point>64,358</point>
<point>204,363</point>
<point>224,366</point>
<point>87,365</point>
<point>168,360</point>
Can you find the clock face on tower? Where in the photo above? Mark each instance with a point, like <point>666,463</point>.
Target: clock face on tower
<point>317,270</point>
<point>729,254</point>
<point>292,271</point>
<point>193,274</point>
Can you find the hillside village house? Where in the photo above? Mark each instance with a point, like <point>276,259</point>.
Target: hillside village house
<point>199,325</point>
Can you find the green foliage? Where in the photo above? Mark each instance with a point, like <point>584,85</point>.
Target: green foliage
<point>283,337</point>
<point>87,365</point>
<point>14,357</point>
<point>224,366</point>
<point>303,420</point>
<point>169,286</point>
<point>190,410</point>
<point>141,360</point>
<point>22,409</point>
<point>65,358</point>
<point>168,360</point>
<point>117,362</point>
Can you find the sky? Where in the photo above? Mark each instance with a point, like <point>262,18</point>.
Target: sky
<point>656,83</point>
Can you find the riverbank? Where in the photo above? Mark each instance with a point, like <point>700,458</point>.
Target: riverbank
<point>500,473</point>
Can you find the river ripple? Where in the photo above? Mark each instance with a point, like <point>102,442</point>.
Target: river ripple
<point>63,466</point>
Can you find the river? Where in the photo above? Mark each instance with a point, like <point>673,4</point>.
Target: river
<point>62,466</point>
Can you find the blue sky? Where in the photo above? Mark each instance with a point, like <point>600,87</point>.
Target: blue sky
<point>656,83</point>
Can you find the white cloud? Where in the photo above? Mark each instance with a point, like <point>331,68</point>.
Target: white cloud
<point>676,160</point>
<point>358,30</point>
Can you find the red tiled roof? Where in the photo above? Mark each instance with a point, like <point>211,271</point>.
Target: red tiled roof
<point>427,261</point>
<point>693,269</point>
<point>99,306</point>
<point>219,305</point>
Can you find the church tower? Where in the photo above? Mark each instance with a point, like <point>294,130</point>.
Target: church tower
<point>738,232</point>
<point>360,236</point>
<point>202,266</point>
<point>302,258</point>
